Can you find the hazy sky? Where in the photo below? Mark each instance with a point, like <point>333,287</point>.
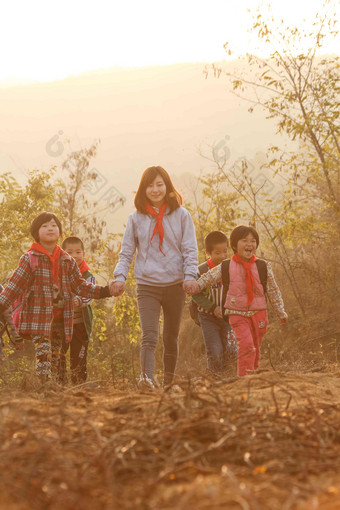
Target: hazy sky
<point>41,40</point>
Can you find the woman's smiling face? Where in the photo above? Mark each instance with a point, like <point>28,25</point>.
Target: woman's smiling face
<point>156,191</point>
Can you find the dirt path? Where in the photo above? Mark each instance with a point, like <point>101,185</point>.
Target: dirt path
<point>268,441</point>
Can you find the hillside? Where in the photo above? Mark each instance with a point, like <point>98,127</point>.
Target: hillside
<point>143,116</point>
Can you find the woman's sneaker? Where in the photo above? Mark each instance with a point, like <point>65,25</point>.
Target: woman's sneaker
<point>145,383</point>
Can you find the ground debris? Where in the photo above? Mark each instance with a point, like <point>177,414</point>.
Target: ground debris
<point>248,443</point>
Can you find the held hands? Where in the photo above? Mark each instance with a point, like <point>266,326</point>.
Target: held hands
<point>117,288</point>
<point>76,302</point>
<point>218,312</point>
<point>191,287</point>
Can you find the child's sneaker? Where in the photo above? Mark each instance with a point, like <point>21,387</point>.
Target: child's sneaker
<point>145,383</point>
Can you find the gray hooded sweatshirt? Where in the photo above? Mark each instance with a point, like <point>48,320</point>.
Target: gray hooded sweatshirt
<point>179,262</point>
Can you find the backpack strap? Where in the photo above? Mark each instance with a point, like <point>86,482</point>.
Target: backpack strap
<point>193,307</point>
<point>203,268</point>
<point>225,279</point>
<point>87,274</point>
<point>34,262</point>
<point>263,273</point>
<point>262,270</point>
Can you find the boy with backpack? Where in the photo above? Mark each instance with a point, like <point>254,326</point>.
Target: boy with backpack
<point>247,281</point>
<point>47,278</point>
<point>206,309</point>
<point>82,319</point>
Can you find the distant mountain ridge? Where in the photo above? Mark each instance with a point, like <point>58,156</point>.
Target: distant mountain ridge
<point>143,116</point>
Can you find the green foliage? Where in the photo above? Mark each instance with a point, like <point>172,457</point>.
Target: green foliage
<point>213,207</point>
<point>299,90</point>
<point>126,313</point>
<point>80,212</point>
<point>16,370</point>
<point>18,206</point>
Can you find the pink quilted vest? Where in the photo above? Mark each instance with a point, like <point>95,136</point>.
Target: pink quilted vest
<point>237,298</point>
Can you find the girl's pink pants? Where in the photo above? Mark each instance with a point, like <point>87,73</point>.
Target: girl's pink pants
<point>249,332</point>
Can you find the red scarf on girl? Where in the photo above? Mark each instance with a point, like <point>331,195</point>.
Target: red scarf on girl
<point>159,219</point>
<point>54,258</point>
<point>250,281</point>
<point>83,267</point>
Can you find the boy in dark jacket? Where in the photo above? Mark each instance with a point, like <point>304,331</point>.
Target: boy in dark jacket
<point>47,278</point>
<point>220,343</point>
<point>82,320</point>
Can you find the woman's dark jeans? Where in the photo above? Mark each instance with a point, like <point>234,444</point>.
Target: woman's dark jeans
<point>150,301</point>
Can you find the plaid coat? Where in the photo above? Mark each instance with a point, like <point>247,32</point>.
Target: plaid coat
<point>36,287</point>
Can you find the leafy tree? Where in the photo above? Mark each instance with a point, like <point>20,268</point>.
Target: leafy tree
<point>213,206</point>
<point>300,90</point>
<point>18,206</point>
<point>80,213</point>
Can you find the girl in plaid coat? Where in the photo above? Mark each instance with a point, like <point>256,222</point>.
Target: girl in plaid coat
<point>46,279</point>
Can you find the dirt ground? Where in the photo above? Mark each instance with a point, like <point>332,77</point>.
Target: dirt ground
<point>267,441</point>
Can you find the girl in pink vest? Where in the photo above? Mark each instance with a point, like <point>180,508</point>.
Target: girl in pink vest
<point>245,303</point>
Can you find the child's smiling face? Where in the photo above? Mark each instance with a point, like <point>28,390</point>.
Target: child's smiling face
<point>218,253</point>
<point>49,232</point>
<point>246,247</point>
<point>76,251</point>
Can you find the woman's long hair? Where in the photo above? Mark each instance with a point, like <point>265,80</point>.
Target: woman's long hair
<point>172,197</point>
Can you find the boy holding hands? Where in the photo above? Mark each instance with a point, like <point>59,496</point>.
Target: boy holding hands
<point>46,316</point>
<point>218,337</point>
<point>82,318</point>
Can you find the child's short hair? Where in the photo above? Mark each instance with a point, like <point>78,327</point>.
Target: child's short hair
<point>214,237</point>
<point>72,240</point>
<point>44,217</point>
<point>240,232</point>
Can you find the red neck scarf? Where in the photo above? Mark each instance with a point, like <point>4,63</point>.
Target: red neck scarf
<point>250,281</point>
<point>54,258</point>
<point>83,267</point>
<point>210,263</point>
<point>159,219</point>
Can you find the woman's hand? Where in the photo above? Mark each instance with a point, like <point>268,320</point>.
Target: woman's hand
<point>191,287</point>
<point>117,288</point>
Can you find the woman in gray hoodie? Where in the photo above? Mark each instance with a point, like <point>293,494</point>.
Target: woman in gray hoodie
<point>162,233</point>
